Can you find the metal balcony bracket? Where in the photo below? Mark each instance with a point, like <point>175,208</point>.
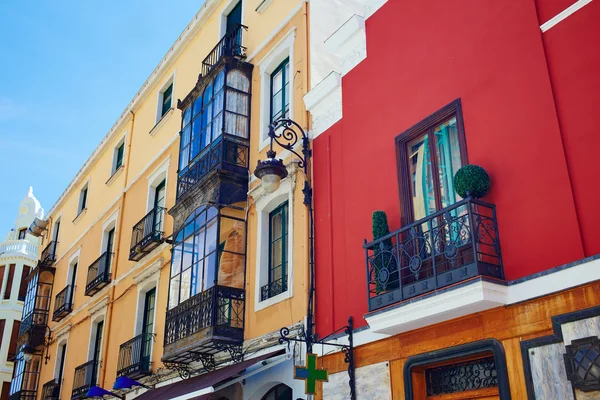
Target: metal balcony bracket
<point>207,360</point>
<point>184,370</point>
<point>235,351</point>
<point>347,349</point>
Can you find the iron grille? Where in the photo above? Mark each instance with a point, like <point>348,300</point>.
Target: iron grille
<point>274,288</point>
<point>98,274</point>
<point>23,395</point>
<point>84,378</point>
<point>134,356</point>
<point>51,390</point>
<point>471,375</point>
<point>226,153</point>
<point>447,247</point>
<point>48,256</point>
<point>582,363</point>
<point>230,45</point>
<point>147,234</point>
<point>63,303</point>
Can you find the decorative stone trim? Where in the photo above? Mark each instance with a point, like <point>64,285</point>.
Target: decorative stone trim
<point>118,172</point>
<point>80,215</point>
<point>62,332</point>
<point>349,43</point>
<point>161,122</point>
<point>324,102</point>
<point>99,307</point>
<point>148,273</point>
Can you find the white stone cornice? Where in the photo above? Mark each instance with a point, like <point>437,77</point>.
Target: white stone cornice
<point>324,102</point>
<point>373,5</point>
<point>349,43</point>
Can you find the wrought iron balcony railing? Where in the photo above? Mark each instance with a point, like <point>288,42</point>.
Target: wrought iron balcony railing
<point>63,303</point>
<point>228,153</point>
<point>23,395</point>
<point>147,234</point>
<point>204,322</point>
<point>274,288</point>
<point>51,390</point>
<point>453,245</point>
<point>134,356</point>
<point>229,45</point>
<point>48,256</point>
<point>36,318</point>
<point>98,274</point>
<point>84,378</point>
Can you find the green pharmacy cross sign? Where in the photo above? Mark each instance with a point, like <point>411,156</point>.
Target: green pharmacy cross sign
<point>310,374</point>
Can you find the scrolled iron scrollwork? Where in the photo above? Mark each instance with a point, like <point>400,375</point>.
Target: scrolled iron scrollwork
<point>283,335</point>
<point>283,132</point>
<point>471,375</point>
<point>183,370</point>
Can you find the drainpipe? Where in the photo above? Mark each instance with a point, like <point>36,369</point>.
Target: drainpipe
<point>108,318</point>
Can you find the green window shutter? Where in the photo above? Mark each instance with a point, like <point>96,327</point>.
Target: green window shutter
<point>166,99</point>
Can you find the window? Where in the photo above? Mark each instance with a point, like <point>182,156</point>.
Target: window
<point>23,283</point>
<point>9,281</point>
<point>12,345</point>
<point>148,328</point>
<point>22,233</point>
<point>72,281</point>
<point>430,154</point>
<point>2,269</point>
<point>208,250</point>
<point>279,392</point>
<point>2,324</point>
<point>4,395</point>
<point>25,375</point>
<point>207,118</point>
<point>62,352</point>
<point>83,199</point>
<point>56,229</point>
<point>280,91</point>
<point>234,18</point>
<point>97,351</point>
<point>278,238</point>
<point>166,99</point>
<point>118,157</point>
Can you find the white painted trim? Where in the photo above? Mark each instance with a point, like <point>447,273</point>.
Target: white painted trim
<point>225,12</point>
<point>349,43</point>
<point>275,32</point>
<point>159,97</point>
<point>564,14</point>
<point>161,122</point>
<point>262,6</point>
<point>146,280</point>
<point>73,259</point>
<point>324,102</point>
<point>159,174</point>
<point>114,168</point>
<point>80,205</point>
<point>111,222</point>
<point>282,50</point>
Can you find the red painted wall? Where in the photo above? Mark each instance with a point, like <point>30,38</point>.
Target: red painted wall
<point>421,56</point>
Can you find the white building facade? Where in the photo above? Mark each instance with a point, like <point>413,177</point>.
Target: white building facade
<point>18,257</point>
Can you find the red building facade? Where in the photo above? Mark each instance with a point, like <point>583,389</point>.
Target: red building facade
<point>512,86</point>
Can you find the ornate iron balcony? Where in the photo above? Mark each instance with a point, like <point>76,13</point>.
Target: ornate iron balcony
<point>453,245</point>
<point>63,303</point>
<point>274,288</point>
<point>204,324</point>
<point>51,390</point>
<point>227,153</point>
<point>34,320</point>
<point>134,356</point>
<point>85,377</point>
<point>48,256</point>
<point>230,45</point>
<point>98,274</point>
<point>147,234</point>
<point>23,395</point>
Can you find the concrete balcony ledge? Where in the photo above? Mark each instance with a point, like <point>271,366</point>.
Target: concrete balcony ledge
<point>452,302</point>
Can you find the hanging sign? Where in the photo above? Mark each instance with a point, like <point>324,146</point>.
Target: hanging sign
<point>310,374</point>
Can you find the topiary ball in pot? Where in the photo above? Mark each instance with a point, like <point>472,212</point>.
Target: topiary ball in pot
<point>471,180</point>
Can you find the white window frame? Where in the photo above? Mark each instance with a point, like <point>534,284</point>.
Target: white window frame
<point>100,317</point>
<point>226,10</point>
<point>58,219</point>
<point>62,341</point>
<point>264,205</point>
<point>110,223</point>
<point>160,95</point>
<point>74,259</point>
<point>154,179</point>
<point>80,208</point>
<point>114,167</point>
<point>269,63</point>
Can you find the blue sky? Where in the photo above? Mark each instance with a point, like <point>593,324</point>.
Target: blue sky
<point>67,71</point>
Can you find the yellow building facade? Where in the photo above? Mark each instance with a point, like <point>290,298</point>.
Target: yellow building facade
<point>164,259</point>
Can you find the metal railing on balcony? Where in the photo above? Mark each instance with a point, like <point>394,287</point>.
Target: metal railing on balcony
<point>63,303</point>
<point>84,378</point>
<point>229,45</point>
<point>23,395</point>
<point>219,308</point>
<point>274,288</point>
<point>51,390</point>
<point>229,153</point>
<point>48,256</point>
<point>38,317</point>
<point>98,274</point>
<point>450,246</point>
<point>134,356</point>
<point>147,234</point>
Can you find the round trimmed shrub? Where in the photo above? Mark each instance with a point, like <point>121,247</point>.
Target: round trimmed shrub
<point>471,180</point>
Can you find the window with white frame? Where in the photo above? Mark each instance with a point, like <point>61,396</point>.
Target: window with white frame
<point>277,82</point>
<point>165,99</point>
<point>275,246</point>
<point>118,154</point>
<point>83,197</point>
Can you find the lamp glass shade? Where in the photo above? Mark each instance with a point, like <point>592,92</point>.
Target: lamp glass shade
<point>27,356</point>
<point>124,382</point>
<point>270,182</point>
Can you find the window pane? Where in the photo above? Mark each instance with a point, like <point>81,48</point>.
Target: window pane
<point>422,189</point>
<point>218,102</point>
<point>197,279</point>
<point>277,81</point>
<point>211,213</point>
<point>186,284</point>
<point>187,115</point>
<point>276,252</point>
<point>176,259</point>
<point>217,127</point>
<point>211,236</point>
<point>448,159</point>
<point>188,253</point>
<point>195,147</point>
<point>185,136</point>
<point>200,243</point>
<point>236,125</point>
<point>237,102</point>
<point>220,80</point>
<point>208,93</point>
<point>184,157</point>
<point>174,291</point>
<point>197,105</point>
<point>276,224</point>
<point>237,80</point>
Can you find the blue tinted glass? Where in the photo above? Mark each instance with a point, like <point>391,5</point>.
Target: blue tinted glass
<point>219,80</point>
<point>187,115</point>
<point>208,92</point>
<point>198,105</point>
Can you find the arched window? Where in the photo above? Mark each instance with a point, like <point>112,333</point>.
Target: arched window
<point>279,392</point>
<point>209,249</point>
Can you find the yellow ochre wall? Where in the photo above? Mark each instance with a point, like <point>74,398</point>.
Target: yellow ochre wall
<point>148,146</point>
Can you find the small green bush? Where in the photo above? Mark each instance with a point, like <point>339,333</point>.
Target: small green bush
<point>471,180</point>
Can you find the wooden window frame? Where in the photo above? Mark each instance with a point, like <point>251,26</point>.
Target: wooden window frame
<point>280,67</point>
<point>402,162</point>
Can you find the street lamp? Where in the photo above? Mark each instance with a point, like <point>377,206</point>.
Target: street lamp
<point>287,133</point>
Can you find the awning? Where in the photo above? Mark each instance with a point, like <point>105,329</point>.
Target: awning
<point>205,381</point>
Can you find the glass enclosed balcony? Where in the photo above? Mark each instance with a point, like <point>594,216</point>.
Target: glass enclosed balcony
<point>36,307</point>
<point>448,247</point>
